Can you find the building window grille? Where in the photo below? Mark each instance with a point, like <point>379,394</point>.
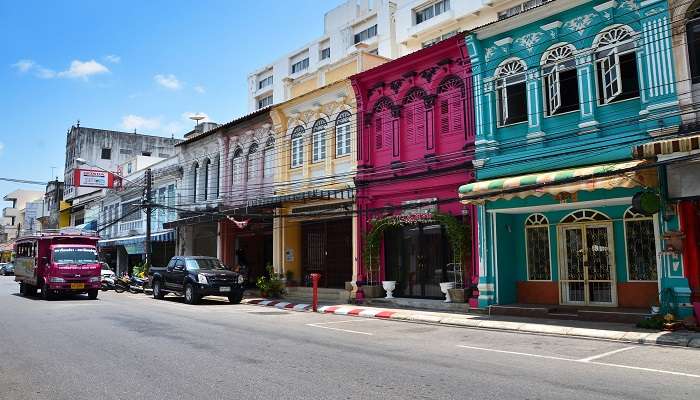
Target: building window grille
<point>264,102</point>
<point>366,34</point>
<point>297,147</point>
<point>265,82</point>
<point>511,96</point>
<point>432,10</point>
<point>641,247</point>
<point>537,243</point>
<point>616,65</point>
<point>300,65</point>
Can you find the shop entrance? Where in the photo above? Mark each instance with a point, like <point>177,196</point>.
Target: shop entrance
<point>416,257</point>
<point>587,264</point>
<point>328,250</point>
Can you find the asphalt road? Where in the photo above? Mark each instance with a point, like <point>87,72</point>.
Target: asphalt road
<point>125,346</point>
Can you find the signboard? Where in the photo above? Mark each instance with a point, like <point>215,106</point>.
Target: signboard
<point>94,178</point>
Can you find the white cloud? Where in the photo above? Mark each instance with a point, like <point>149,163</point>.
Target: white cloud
<point>112,58</point>
<point>131,122</point>
<point>199,89</point>
<point>24,65</point>
<point>168,81</point>
<point>83,69</point>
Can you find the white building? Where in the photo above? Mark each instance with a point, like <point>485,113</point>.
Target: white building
<point>367,22</point>
<point>12,218</point>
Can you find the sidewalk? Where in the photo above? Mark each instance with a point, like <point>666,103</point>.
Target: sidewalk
<point>578,329</point>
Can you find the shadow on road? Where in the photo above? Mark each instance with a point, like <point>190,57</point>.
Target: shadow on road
<point>72,297</point>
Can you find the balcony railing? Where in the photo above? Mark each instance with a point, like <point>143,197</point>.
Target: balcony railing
<point>125,227</point>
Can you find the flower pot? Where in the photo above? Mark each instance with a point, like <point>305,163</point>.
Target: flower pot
<point>389,287</point>
<point>457,295</point>
<point>444,287</point>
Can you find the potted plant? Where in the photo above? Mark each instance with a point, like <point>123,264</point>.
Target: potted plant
<point>272,284</point>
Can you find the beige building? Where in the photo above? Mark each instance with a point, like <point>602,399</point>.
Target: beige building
<point>13,216</point>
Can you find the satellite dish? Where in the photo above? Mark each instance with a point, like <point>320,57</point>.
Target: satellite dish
<point>197,118</point>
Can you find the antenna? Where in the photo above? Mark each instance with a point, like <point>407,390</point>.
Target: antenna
<point>196,118</point>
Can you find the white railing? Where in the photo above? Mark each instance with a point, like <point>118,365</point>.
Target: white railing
<point>125,227</point>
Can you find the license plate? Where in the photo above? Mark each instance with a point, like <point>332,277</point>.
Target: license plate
<point>225,289</point>
<point>77,285</point>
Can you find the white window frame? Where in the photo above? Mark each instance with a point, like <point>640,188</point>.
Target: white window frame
<point>325,51</point>
<point>538,221</point>
<point>265,101</point>
<point>508,69</point>
<point>343,135</point>
<point>269,158</point>
<point>630,216</point>
<point>436,8</point>
<point>253,161</point>
<point>607,61</point>
<point>237,167</point>
<point>300,65</point>
<point>296,148</point>
<point>265,82</point>
<point>318,139</point>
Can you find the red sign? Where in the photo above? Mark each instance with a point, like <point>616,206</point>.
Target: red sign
<point>95,178</point>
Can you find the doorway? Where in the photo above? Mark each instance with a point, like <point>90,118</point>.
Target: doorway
<point>328,251</point>
<point>416,257</point>
<point>587,264</point>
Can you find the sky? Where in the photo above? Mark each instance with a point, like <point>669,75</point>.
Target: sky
<point>125,65</point>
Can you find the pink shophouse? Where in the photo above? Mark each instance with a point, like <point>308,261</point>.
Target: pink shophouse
<point>415,148</point>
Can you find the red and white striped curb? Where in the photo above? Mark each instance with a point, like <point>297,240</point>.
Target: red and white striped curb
<point>338,310</point>
<point>282,305</point>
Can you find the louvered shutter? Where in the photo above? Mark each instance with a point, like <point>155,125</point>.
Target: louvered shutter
<point>378,133</point>
<point>388,131</point>
<point>444,117</point>
<point>410,124</point>
<point>419,117</point>
<point>457,113</point>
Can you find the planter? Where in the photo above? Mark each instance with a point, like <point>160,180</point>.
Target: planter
<point>389,286</point>
<point>672,326</point>
<point>444,287</point>
<point>457,295</point>
<point>373,291</point>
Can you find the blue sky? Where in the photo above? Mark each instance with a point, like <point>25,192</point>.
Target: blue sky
<point>131,64</point>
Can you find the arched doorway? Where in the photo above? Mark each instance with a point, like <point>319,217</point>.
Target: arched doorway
<point>587,259</point>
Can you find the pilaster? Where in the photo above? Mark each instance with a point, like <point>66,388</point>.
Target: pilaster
<point>586,92</point>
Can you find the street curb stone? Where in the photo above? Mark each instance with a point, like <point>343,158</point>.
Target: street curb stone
<point>691,340</point>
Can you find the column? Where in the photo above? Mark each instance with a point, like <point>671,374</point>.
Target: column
<point>431,137</point>
<point>487,284</point>
<point>587,91</point>
<point>535,135</point>
<point>224,180</point>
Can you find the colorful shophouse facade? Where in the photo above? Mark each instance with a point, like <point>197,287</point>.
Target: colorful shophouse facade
<point>314,200</point>
<point>563,91</point>
<point>415,146</point>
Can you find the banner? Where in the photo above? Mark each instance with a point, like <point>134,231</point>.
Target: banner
<point>93,178</point>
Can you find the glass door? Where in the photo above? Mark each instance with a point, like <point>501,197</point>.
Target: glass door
<point>587,269</point>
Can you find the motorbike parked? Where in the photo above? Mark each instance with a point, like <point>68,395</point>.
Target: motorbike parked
<point>108,283</point>
<point>138,285</point>
<point>122,284</point>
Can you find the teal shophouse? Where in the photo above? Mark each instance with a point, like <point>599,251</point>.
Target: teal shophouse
<point>563,92</point>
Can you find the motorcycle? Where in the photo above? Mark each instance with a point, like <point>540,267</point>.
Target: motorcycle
<point>107,283</point>
<point>122,284</point>
<point>137,285</point>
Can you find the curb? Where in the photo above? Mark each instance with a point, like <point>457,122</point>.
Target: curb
<point>691,340</point>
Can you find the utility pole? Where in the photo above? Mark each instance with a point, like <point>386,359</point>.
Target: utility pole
<point>147,204</point>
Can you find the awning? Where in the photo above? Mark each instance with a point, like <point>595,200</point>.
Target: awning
<point>164,236</point>
<point>602,176</point>
<point>316,194</point>
<point>669,146</point>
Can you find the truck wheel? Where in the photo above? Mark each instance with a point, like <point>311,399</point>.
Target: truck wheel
<point>23,289</point>
<point>46,293</point>
<point>191,296</point>
<point>92,294</point>
<point>157,291</point>
<point>30,290</point>
<point>235,298</point>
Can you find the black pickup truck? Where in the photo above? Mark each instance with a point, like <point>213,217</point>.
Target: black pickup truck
<point>196,277</point>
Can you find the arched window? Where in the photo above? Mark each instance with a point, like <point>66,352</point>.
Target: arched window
<point>205,179</point>
<point>237,167</point>
<point>641,247</point>
<point>383,124</point>
<point>253,162</point>
<point>297,147</point>
<point>584,216</point>
<point>414,116</point>
<point>195,171</point>
<point>511,95</point>
<point>537,251</point>
<point>616,65</point>
<point>318,138</point>
<point>269,167</point>
<point>451,99</point>
<point>560,80</point>
<point>692,31</point>
<point>343,134</point>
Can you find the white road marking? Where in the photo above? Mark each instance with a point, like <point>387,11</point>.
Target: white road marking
<point>582,361</point>
<point>609,353</point>
<point>319,325</point>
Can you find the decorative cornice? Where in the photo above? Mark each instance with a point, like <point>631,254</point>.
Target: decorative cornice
<point>427,74</point>
<point>396,85</point>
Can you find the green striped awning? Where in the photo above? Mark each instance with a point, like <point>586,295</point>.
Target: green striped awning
<point>591,178</point>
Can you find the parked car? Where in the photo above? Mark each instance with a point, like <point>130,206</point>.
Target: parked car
<point>7,269</point>
<point>196,277</point>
